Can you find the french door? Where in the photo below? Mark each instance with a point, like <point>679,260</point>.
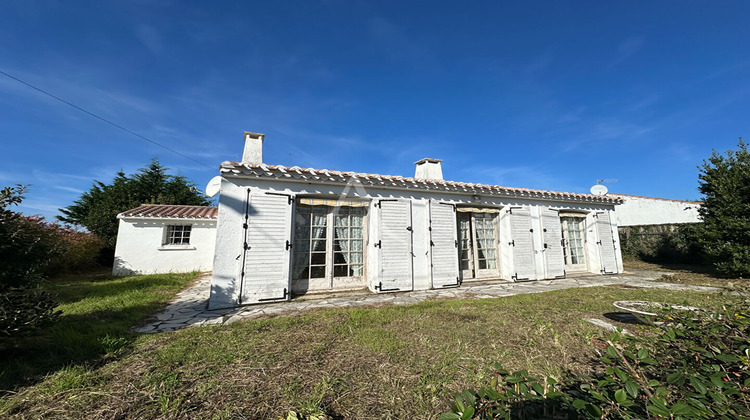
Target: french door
<point>477,240</point>
<point>328,247</point>
<point>573,243</point>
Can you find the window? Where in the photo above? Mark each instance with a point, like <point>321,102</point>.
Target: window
<point>328,242</point>
<point>177,235</point>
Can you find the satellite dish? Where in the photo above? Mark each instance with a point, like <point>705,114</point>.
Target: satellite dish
<point>599,189</point>
<point>213,187</point>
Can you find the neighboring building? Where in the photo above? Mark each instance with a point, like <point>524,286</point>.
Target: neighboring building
<point>286,231</point>
<point>156,238</point>
<point>641,211</point>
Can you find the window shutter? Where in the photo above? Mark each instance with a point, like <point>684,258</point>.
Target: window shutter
<point>606,243</point>
<point>395,246</point>
<point>265,270</point>
<point>443,245</point>
<point>553,250</point>
<point>523,244</point>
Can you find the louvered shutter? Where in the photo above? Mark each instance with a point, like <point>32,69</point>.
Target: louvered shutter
<point>395,246</point>
<point>443,243</point>
<point>265,273</point>
<point>522,244</point>
<point>553,248</point>
<point>606,243</point>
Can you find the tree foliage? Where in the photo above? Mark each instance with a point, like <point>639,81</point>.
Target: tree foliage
<point>725,235</point>
<point>27,246</point>
<point>97,209</point>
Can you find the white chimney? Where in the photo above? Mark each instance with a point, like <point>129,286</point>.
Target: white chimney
<point>428,169</point>
<point>253,153</point>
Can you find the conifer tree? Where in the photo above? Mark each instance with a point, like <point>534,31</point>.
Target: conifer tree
<point>97,209</point>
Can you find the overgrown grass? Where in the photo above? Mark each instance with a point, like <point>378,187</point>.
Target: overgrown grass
<point>97,312</point>
<point>384,362</point>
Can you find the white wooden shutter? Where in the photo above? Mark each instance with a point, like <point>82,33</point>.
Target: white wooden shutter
<point>522,244</point>
<point>606,243</point>
<point>444,245</point>
<point>265,271</point>
<point>395,246</point>
<point>553,248</point>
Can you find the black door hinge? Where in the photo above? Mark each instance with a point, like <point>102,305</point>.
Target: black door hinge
<point>380,287</point>
<point>378,244</point>
<point>288,245</point>
<point>269,299</point>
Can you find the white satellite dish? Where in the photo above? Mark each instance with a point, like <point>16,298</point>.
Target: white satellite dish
<point>213,187</point>
<point>599,189</point>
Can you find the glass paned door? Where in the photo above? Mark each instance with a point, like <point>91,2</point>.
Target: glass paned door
<point>465,248</point>
<point>328,243</point>
<point>573,243</point>
<point>477,245</point>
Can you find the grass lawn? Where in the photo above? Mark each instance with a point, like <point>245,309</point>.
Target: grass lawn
<point>380,362</point>
<point>97,311</point>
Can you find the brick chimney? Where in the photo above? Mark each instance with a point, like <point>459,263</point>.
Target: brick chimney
<point>253,152</point>
<point>428,169</point>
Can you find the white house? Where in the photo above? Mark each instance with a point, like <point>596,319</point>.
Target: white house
<point>284,231</point>
<point>156,238</point>
<point>640,211</point>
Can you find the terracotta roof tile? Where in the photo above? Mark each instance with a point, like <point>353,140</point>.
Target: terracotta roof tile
<point>172,211</point>
<point>295,172</point>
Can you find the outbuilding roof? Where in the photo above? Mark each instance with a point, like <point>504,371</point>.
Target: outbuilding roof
<point>171,211</point>
<point>293,173</point>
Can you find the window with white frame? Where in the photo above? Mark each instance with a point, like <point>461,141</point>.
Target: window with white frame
<point>328,242</point>
<point>177,235</point>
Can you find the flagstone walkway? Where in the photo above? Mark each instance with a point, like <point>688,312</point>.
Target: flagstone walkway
<point>188,309</point>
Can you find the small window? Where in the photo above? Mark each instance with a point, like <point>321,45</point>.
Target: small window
<point>177,235</point>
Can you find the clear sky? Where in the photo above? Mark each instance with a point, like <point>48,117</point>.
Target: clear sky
<point>538,94</point>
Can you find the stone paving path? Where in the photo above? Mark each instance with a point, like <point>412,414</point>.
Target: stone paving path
<point>188,309</point>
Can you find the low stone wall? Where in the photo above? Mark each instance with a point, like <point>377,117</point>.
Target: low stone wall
<point>672,243</point>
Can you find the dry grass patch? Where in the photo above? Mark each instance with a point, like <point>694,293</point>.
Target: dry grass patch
<point>699,275</point>
<point>385,362</point>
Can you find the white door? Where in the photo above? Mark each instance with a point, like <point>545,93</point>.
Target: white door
<point>553,247</point>
<point>265,266</point>
<point>477,243</point>
<point>606,243</point>
<point>443,243</point>
<point>395,246</point>
<point>574,243</point>
<point>522,244</point>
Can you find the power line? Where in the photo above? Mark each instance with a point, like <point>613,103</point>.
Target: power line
<point>104,119</point>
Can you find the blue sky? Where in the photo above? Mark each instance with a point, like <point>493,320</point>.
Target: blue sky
<point>549,95</point>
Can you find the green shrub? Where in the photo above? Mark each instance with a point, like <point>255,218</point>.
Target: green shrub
<point>24,310</point>
<point>697,367</point>
<point>79,251</point>
<point>27,245</point>
<point>724,181</point>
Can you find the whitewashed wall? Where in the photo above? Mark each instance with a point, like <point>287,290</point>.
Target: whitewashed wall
<point>229,241</point>
<point>638,211</point>
<point>139,248</point>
